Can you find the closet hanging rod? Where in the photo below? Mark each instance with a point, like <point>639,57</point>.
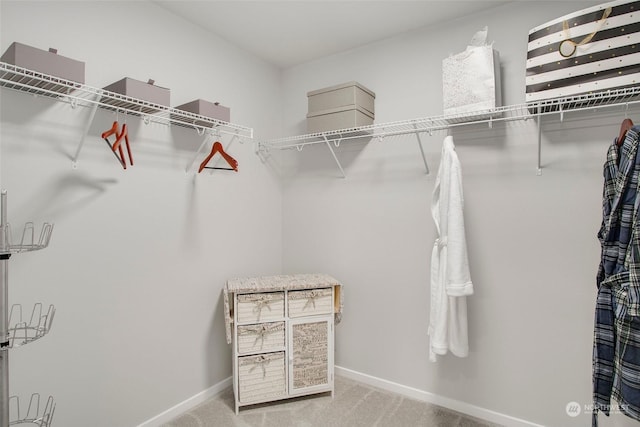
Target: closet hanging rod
<point>33,82</point>
<point>611,98</point>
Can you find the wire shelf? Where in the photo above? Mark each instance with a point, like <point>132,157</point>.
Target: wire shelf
<point>22,332</point>
<point>610,98</point>
<point>34,416</point>
<point>36,83</point>
<point>28,241</point>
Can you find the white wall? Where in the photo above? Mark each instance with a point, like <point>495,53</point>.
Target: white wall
<point>532,239</point>
<point>139,257</point>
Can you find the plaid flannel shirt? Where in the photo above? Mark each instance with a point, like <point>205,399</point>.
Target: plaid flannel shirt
<point>616,347</point>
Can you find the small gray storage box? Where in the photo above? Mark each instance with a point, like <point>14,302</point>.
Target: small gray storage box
<point>342,95</point>
<point>145,91</point>
<point>338,118</point>
<point>45,62</point>
<point>207,109</point>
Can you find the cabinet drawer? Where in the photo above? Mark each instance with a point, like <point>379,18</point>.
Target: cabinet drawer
<point>253,308</point>
<point>261,378</point>
<point>310,302</point>
<point>261,337</point>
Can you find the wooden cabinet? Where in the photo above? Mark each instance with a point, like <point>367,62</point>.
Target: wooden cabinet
<point>282,336</point>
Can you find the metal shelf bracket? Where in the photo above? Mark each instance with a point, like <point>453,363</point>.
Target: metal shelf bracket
<point>85,132</point>
<point>424,158</point>
<point>333,153</point>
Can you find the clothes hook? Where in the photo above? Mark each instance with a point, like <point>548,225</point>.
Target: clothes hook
<point>145,119</point>
<point>74,103</point>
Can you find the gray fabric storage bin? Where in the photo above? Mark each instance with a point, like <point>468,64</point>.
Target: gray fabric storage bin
<point>145,91</point>
<point>207,109</point>
<point>45,62</point>
<point>342,95</point>
<point>338,118</point>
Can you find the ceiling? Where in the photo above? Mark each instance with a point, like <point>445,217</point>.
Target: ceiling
<point>287,33</point>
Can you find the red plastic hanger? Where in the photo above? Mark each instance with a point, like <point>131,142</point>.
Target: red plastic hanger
<point>116,147</point>
<point>124,134</point>
<point>106,134</point>
<point>114,128</point>
<point>624,127</point>
<point>217,148</point>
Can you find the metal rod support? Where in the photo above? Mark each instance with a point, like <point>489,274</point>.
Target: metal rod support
<point>539,121</point>
<point>4,315</point>
<point>92,114</point>
<point>424,158</point>
<point>334,155</point>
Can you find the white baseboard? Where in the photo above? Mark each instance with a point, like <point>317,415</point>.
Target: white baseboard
<point>184,406</point>
<point>456,405</point>
<point>414,393</point>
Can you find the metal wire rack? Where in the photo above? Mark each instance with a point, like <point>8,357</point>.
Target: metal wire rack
<point>16,331</point>
<point>535,110</point>
<point>36,83</point>
<point>435,123</point>
<point>29,241</point>
<point>23,332</point>
<point>34,416</point>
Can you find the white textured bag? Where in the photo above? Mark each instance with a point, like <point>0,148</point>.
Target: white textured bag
<point>471,82</point>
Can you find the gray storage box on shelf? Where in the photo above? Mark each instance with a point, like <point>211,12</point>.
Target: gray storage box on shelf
<point>204,108</point>
<point>345,117</point>
<point>147,92</point>
<point>342,95</point>
<point>342,106</point>
<point>45,62</point>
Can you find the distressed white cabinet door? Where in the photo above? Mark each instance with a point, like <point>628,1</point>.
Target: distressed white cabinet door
<point>310,351</point>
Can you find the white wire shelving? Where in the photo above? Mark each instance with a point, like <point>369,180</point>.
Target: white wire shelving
<point>534,110</point>
<point>76,94</point>
<point>33,82</point>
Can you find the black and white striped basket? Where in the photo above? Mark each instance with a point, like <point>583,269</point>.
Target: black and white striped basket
<point>592,50</point>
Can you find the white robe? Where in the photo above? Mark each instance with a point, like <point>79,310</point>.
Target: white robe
<point>450,277</point>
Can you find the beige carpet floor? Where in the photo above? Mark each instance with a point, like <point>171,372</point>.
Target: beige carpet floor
<point>354,405</point>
